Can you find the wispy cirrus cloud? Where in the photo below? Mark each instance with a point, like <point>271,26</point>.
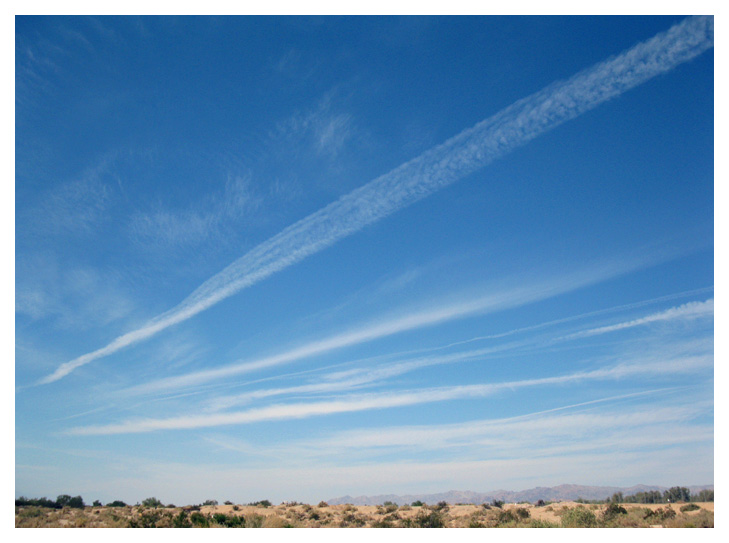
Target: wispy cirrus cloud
<point>173,228</point>
<point>77,206</point>
<point>656,366</point>
<point>634,420</point>
<point>502,297</point>
<point>359,377</point>
<point>78,298</point>
<point>326,129</point>
<point>456,158</point>
<point>691,310</point>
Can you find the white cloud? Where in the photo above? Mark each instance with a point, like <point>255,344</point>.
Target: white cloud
<point>691,310</point>
<point>364,402</point>
<point>461,155</point>
<point>502,298</point>
<point>171,228</point>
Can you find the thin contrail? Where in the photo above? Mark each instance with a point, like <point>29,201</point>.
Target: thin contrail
<point>456,158</point>
<point>367,402</point>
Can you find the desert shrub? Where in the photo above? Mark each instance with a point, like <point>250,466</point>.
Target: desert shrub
<point>522,513</point>
<point>200,520</point>
<point>540,503</point>
<point>274,521</point>
<point>30,512</point>
<point>231,521</point>
<point>181,521</point>
<point>383,523</point>
<point>417,503</point>
<point>612,511</point>
<point>236,508</point>
<point>148,519</point>
<point>97,503</point>
<point>433,519</point>
<point>497,503</point>
<point>579,517</point>
<point>441,506</point>
<point>261,503</point>
<point>152,502</point>
<point>116,503</point>
<point>254,521</point>
<point>474,522</point>
<point>352,519</point>
<point>323,504</point>
<point>538,523</point>
<point>660,514</point>
<point>702,519</point>
<point>506,517</point>
<point>689,507</point>
<point>210,502</point>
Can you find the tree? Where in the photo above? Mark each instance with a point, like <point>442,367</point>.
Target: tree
<point>64,500</point>
<point>677,494</point>
<point>97,503</point>
<point>705,495</point>
<point>210,502</point>
<point>152,502</point>
<point>116,503</point>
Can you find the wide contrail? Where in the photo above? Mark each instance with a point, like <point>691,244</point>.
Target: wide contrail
<point>461,155</point>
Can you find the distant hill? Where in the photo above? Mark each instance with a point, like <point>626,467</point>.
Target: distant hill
<point>553,493</point>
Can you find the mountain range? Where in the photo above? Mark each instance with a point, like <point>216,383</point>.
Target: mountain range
<point>554,493</point>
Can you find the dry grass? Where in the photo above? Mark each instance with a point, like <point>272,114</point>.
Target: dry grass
<point>390,516</point>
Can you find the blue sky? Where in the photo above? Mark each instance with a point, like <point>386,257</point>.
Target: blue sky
<point>297,258</point>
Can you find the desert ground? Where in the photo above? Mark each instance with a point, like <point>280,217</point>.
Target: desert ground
<point>294,515</point>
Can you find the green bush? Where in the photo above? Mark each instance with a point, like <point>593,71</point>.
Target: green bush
<point>689,507</point>
<point>417,503</point>
<point>612,511</point>
<point>433,519</point>
<point>148,519</point>
<point>181,521</point>
<point>200,520</point>
<point>660,514</point>
<point>116,503</point>
<point>579,517</point>
<point>537,523</point>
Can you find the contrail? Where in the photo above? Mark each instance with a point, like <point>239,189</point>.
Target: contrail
<point>691,310</point>
<point>458,157</point>
<point>366,402</point>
